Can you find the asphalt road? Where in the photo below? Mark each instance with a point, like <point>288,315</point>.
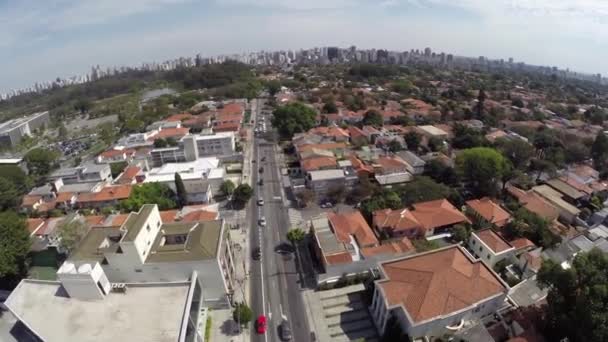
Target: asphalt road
<point>275,291</point>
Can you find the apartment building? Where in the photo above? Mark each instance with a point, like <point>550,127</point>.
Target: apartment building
<point>13,131</point>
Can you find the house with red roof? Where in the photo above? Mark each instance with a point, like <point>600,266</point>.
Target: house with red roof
<point>107,196</point>
<point>490,247</point>
<point>434,293</point>
<point>486,211</point>
<point>116,155</point>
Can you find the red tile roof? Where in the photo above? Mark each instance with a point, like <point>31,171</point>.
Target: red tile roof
<point>33,224</point>
<point>179,117</point>
<point>332,131</point>
<point>168,216</point>
<point>401,220</point>
<point>338,258</point>
<point>128,175</point>
<point>64,196</point>
<point>494,241</point>
<point>353,223</point>
<point>326,146</point>
<point>577,185</point>
<point>522,243</point>
<point>534,203</point>
<point>94,220</point>
<point>438,283</point>
<point>30,200</point>
<point>170,133</point>
<point>438,213</point>
<point>232,108</point>
<point>490,211</point>
<point>109,193</point>
<point>391,163</point>
<point>200,215</point>
<point>227,127</point>
<point>392,248</point>
<point>318,163</point>
<point>117,152</point>
<point>356,132</point>
<point>119,219</point>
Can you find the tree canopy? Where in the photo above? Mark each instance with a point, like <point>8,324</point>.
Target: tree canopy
<point>242,194</point>
<point>71,232</point>
<point>482,168</point>
<point>227,187</point>
<point>242,314</point>
<point>293,118</point>
<point>296,235</point>
<point>577,297</point>
<point>180,190</point>
<point>599,150</point>
<point>518,151</point>
<point>14,246</point>
<point>149,193</point>
<point>372,118</point>
<point>40,161</point>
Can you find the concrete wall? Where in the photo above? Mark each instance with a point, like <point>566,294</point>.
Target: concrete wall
<point>485,254</point>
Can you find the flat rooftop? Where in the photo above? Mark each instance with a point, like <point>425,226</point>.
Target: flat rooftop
<point>151,312</point>
<point>135,221</point>
<point>96,243</point>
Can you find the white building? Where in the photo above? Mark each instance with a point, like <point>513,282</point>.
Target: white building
<point>13,131</point>
<point>490,247</point>
<point>146,250</point>
<point>436,292</point>
<point>83,305</point>
<point>193,147</point>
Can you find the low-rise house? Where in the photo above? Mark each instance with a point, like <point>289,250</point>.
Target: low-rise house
<point>567,211</point>
<point>570,193</point>
<point>335,133</point>
<point>534,203</point>
<point>357,136</point>
<point>529,263</point>
<point>117,154</point>
<point>337,148</point>
<point>430,131</point>
<point>109,196</point>
<point>490,247</point>
<point>426,219</point>
<point>128,175</point>
<point>83,174</point>
<point>434,293</point>
<point>390,170</point>
<point>415,165</point>
<point>487,211</point>
<point>318,163</point>
<point>322,180</point>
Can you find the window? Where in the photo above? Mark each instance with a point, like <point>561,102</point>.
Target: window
<point>157,224</point>
<point>480,248</point>
<point>148,227</point>
<point>488,256</point>
<point>474,242</point>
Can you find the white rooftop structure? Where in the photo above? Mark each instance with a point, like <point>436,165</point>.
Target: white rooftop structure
<point>433,131</point>
<point>326,174</point>
<point>143,312</point>
<point>202,168</point>
<point>216,135</point>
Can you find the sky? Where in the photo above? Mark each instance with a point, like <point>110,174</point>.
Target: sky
<point>44,39</point>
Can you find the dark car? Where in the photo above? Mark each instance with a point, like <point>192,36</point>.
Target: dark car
<point>256,254</point>
<point>285,331</point>
<point>261,182</point>
<point>261,169</point>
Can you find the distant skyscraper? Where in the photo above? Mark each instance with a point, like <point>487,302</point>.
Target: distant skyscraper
<point>427,52</point>
<point>332,53</point>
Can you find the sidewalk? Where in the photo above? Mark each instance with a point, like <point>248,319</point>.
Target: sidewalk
<point>225,329</point>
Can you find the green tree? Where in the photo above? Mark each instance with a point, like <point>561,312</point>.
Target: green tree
<point>9,195</point>
<point>412,140</point>
<point>227,187</point>
<point>422,189</point>
<point>577,297</point>
<point>62,131</point>
<point>83,105</point>
<point>336,194</point>
<point>518,151</point>
<point>330,107</point>
<point>14,246</point>
<point>465,137</point>
<point>541,166</point>
<point>599,150</point>
<point>372,118</point>
<point>461,233</point>
<point>440,172</point>
<point>242,194</point>
<point>149,193</point>
<point>160,143</point>
<point>17,177</point>
<point>293,118</point>
<point>40,161</point>
<point>481,168</point>
<point>171,141</point>
<point>395,146</point>
<point>295,235</point>
<point>71,232</point>
<point>481,98</point>
<point>273,87</point>
<point>134,125</point>
<point>242,314</point>
<point>180,190</point>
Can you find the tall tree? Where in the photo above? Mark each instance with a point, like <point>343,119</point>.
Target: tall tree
<point>40,161</point>
<point>372,118</point>
<point>481,99</point>
<point>227,187</point>
<point>180,190</point>
<point>599,150</point>
<point>242,194</point>
<point>14,246</point>
<point>481,168</point>
<point>71,232</point>
<point>293,118</point>
<point>518,151</point>
<point>577,297</point>
<point>9,195</point>
<point>412,140</point>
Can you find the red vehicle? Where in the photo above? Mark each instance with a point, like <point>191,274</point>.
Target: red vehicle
<point>260,324</point>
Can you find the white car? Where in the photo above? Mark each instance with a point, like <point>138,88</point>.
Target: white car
<point>260,201</point>
<point>262,222</point>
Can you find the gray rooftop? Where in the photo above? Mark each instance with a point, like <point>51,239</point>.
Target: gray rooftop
<point>95,243</point>
<point>327,240</point>
<point>79,187</point>
<point>326,174</point>
<point>411,158</point>
<point>527,293</point>
<point>152,312</point>
<point>135,221</point>
<point>202,242</point>
<point>46,189</point>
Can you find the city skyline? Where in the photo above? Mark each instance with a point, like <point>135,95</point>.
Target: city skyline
<point>63,38</point>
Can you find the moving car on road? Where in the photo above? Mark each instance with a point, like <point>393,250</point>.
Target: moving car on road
<point>256,254</point>
<point>260,201</point>
<point>260,324</point>
<point>285,331</point>
<point>262,222</point>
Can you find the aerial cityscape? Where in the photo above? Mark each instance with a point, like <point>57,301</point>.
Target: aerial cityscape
<point>335,193</point>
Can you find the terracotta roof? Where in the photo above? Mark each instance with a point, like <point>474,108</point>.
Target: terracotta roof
<point>317,163</point>
<point>438,213</point>
<point>46,206</point>
<point>338,258</point>
<point>490,211</point>
<point>522,243</point>
<point>391,248</point>
<point>179,117</point>
<point>390,163</point>
<point>356,132</point>
<point>119,219</point>
<point>33,224</point>
<point>168,216</point>
<point>534,203</point>
<point>353,223</point>
<point>359,165</point>
<point>94,220</point>
<point>64,196</point>
<point>326,146</point>
<point>128,175</point>
<point>396,220</point>
<point>227,127</point>
<point>438,283</point>
<point>494,241</point>
<point>534,259</point>
<point>114,153</point>
<point>200,215</point>
<point>30,200</point>
<point>577,185</point>
<point>370,130</point>
<point>332,131</point>
<point>170,132</point>
<point>109,193</point>
<point>232,108</point>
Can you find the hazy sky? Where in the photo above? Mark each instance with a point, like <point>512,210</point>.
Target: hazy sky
<point>43,39</point>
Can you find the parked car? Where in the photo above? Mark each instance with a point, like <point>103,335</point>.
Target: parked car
<point>260,324</point>
<point>261,169</point>
<point>285,331</point>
